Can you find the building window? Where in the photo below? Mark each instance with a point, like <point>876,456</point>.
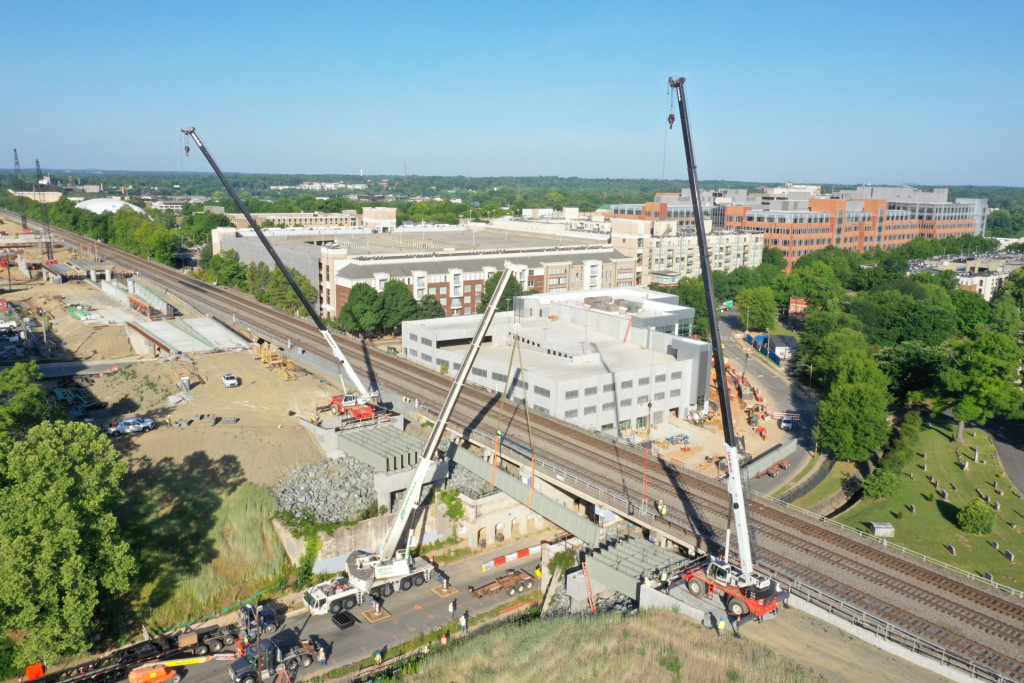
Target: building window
<point>414,353</point>
<point>677,375</point>
<point>626,402</point>
<point>659,378</point>
<point>609,388</point>
<point>479,372</point>
<point>541,391</point>
<point>428,342</point>
<point>570,414</point>
<point>643,381</point>
<point>413,337</point>
<point>628,384</point>
<point>572,394</point>
<point>674,393</point>
<point>589,410</point>
<point>608,406</point>
<point>659,396</point>
<point>499,376</point>
<point>640,400</point>
<point>590,391</point>
<point>426,358</point>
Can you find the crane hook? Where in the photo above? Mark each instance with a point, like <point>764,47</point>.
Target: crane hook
<point>671,120</point>
<point>186,150</point>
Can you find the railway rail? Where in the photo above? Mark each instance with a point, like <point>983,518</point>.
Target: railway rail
<point>974,627</point>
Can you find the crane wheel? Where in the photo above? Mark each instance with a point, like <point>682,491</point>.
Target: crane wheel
<point>387,590</point>
<point>737,607</point>
<point>202,650</point>
<point>229,639</point>
<point>270,629</point>
<point>305,661</point>
<point>695,586</point>
<point>334,409</point>
<point>418,580</point>
<point>350,602</point>
<point>335,607</point>
<point>406,583</point>
<point>216,645</point>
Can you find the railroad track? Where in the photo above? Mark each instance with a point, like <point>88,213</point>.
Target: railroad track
<point>976,623</point>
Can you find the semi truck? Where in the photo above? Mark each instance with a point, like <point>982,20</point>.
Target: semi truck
<point>251,668</point>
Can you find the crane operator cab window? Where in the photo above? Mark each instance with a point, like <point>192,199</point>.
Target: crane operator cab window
<point>719,572</point>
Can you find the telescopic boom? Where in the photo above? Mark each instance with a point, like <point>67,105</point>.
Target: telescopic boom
<point>354,380</point>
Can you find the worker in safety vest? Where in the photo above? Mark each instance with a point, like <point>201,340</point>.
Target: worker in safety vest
<point>444,639</point>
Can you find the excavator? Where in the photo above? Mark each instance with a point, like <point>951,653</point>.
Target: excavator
<point>743,590</point>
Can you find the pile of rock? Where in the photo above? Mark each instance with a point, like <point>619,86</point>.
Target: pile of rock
<point>467,483</point>
<point>561,604</point>
<point>333,491</point>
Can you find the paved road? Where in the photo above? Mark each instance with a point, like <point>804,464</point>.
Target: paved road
<point>413,612</point>
<point>785,394</point>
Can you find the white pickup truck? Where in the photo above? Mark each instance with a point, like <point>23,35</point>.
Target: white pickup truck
<point>130,424</point>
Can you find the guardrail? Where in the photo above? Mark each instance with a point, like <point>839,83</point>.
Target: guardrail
<point>883,629</point>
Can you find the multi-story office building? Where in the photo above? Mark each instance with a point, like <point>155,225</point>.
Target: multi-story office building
<point>610,360</point>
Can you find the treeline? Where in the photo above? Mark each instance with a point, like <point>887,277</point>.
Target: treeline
<point>256,279</point>
<point>874,336</point>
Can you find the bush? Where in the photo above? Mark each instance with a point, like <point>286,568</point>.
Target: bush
<point>883,483</point>
<point>977,518</point>
<point>565,560</point>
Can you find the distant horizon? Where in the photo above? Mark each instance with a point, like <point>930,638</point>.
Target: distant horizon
<point>703,183</point>
<point>909,93</point>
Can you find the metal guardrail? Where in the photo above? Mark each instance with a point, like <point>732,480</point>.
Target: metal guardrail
<point>803,489</point>
<point>1016,592</point>
<point>890,632</point>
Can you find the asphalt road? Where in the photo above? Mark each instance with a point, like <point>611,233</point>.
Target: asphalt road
<point>786,395</point>
<point>412,612</point>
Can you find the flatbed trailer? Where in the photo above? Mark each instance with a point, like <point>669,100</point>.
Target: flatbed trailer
<point>514,581</point>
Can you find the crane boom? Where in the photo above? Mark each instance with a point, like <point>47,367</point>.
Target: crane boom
<point>739,511</point>
<point>20,189</point>
<point>412,493</point>
<point>349,371</point>
<point>45,212</point>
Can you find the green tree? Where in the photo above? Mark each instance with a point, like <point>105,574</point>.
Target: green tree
<point>972,311</point>
<point>428,307</point>
<point>852,421</point>
<point>979,383</point>
<point>23,401</point>
<point>818,283</point>
<point>883,483</point>
<point>757,308</point>
<point>911,366</point>
<point>691,293</point>
<point>257,281</point>
<point>977,517</point>
<point>363,312</point>
<point>280,293</point>
<point>63,554</point>
<point>398,304</point>
<point>512,290</point>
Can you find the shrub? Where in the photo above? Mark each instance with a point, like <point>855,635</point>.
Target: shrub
<point>883,483</point>
<point>565,560</point>
<point>977,518</point>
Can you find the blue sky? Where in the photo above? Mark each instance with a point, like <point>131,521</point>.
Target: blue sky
<point>842,92</point>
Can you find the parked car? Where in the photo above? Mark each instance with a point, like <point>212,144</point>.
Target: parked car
<point>230,380</point>
<point>786,423</point>
<point>129,425</point>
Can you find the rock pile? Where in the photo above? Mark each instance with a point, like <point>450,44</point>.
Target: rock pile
<point>467,483</point>
<point>333,491</point>
<point>560,604</point>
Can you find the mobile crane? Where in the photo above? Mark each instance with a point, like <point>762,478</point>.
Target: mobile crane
<point>744,591</point>
<point>358,393</point>
<point>367,571</point>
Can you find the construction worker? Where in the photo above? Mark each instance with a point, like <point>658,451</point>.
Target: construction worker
<point>377,658</point>
<point>323,656</point>
<point>444,638</point>
<point>464,624</point>
<point>537,571</point>
<point>451,610</point>
<point>721,625</point>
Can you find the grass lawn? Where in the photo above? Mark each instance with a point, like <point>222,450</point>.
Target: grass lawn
<point>203,539</point>
<point>811,464</point>
<point>933,526</point>
<point>833,482</point>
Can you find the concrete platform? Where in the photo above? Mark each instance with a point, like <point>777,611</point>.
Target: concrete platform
<point>193,335</point>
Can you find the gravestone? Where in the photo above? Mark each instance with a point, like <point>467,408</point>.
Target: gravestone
<point>924,468</point>
<point>997,506</point>
<point>988,575</point>
<point>911,475</point>
<point>1009,555</point>
<point>965,465</point>
<point>1013,525</point>
<point>951,549</point>
<point>995,545</point>
<point>953,485</point>
<point>945,495</point>
<point>913,509</point>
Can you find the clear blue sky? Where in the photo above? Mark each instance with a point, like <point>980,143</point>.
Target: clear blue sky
<point>842,92</point>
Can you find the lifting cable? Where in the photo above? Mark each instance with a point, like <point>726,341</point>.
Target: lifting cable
<point>526,407</point>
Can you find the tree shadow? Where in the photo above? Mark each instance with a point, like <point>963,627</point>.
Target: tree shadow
<point>948,511</point>
<point>166,514</point>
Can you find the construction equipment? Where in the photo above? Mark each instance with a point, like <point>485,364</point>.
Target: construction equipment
<point>514,581</point>
<point>390,566</point>
<point>360,394</point>
<point>20,190</point>
<point>166,671</point>
<point>744,591</point>
<point>47,238</point>
<point>265,661</point>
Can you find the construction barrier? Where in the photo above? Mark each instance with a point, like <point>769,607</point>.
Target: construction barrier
<point>498,561</point>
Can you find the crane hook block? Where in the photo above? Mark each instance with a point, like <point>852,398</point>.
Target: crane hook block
<point>186,150</point>
<point>671,120</point>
